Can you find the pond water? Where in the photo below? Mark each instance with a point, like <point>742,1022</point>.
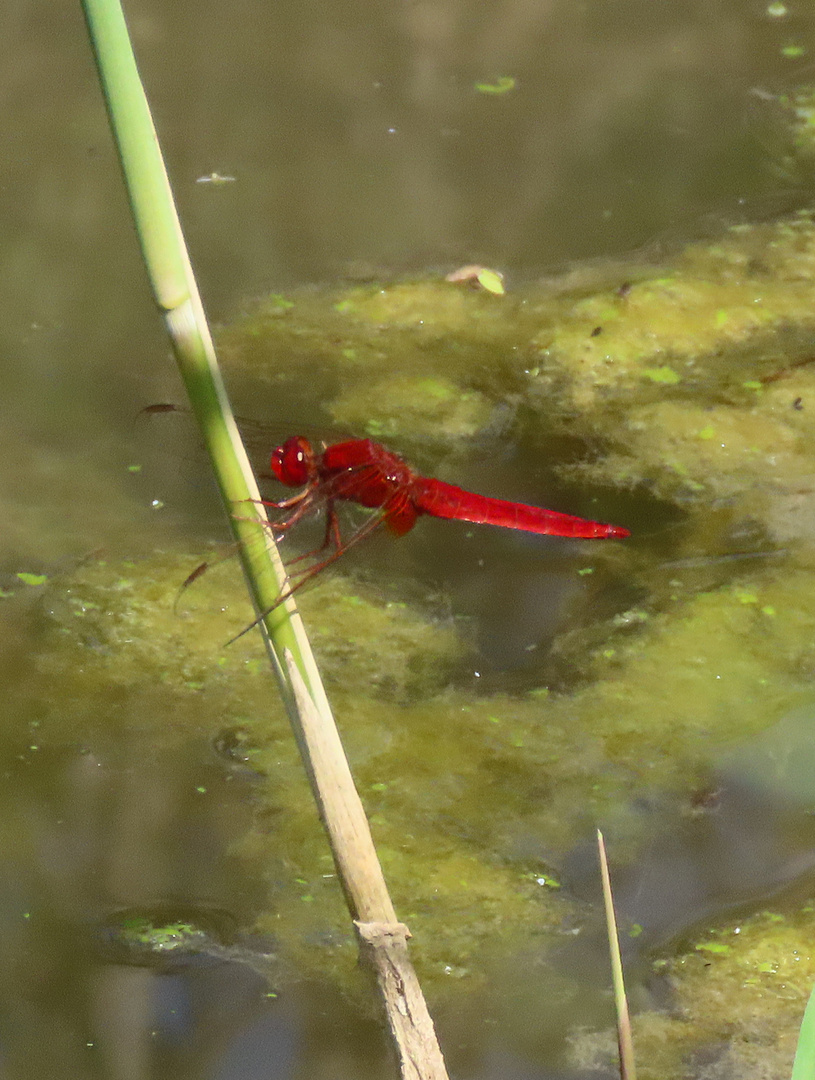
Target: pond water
<point>168,904</point>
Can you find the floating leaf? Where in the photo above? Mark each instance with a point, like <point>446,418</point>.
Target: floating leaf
<point>719,947</point>
<point>491,281</point>
<point>488,279</point>
<point>793,52</point>
<point>662,374</point>
<point>503,85</point>
<point>32,579</point>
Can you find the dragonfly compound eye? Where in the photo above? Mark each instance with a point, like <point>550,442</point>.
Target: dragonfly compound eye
<point>293,462</point>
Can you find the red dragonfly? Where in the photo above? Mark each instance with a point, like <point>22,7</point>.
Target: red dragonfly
<point>364,472</point>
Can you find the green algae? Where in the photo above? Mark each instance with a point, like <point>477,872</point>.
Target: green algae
<point>423,362</point>
<point>740,991</point>
<point>114,635</point>
<point>724,337</point>
<point>163,939</point>
<point>145,934</point>
<point>728,311</point>
<point>692,383</point>
<point>119,627</point>
<point>421,409</point>
<point>697,383</point>
<point>472,802</point>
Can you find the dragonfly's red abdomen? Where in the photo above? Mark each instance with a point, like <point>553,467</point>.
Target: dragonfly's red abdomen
<point>443,500</point>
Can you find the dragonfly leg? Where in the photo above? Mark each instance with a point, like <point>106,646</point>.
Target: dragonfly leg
<point>301,502</point>
<point>308,573</point>
<point>332,530</point>
<point>331,538</point>
<point>284,504</point>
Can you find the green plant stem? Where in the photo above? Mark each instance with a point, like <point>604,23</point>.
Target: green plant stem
<point>804,1066</point>
<point>171,276</point>
<point>625,1042</point>
<point>382,939</point>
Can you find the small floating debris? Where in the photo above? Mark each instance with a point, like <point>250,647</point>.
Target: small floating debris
<point>215,178</point>
<point>481,276</point>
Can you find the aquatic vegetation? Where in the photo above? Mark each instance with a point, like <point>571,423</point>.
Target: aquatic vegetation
<point>689,385</point>
<point>503,85</point>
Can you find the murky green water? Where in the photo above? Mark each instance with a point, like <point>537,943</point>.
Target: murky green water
<point>499,695</point>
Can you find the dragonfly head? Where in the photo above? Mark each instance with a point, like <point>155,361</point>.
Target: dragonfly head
<point>293,462</point>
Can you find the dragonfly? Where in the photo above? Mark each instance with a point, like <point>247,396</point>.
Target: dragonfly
<point>364,472</point>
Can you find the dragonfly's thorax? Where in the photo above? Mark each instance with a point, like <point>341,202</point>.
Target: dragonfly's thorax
<point>364,472</point>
